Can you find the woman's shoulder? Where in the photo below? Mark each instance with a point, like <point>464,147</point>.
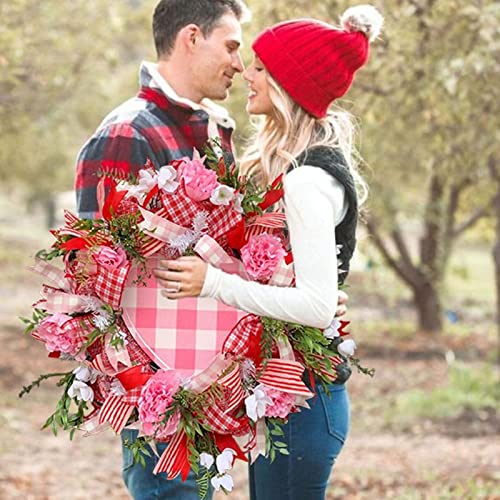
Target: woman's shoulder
<point>322,156</point>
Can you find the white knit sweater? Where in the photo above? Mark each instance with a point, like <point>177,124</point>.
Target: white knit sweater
<point>315,203</point>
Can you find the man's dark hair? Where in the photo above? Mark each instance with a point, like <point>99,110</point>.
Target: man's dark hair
<point>171,16</point>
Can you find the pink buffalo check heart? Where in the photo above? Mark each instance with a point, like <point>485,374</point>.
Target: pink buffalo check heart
<point>184,335</point>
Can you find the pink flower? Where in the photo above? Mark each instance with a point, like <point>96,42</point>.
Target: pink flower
<point>282,403</point>
<point>110,258</point>
<point>156,397</point>
<point>261,255</point>
<point>56,337</point>
<point>199,181</point>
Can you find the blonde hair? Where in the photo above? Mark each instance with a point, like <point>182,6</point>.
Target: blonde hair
<point>282,137</point>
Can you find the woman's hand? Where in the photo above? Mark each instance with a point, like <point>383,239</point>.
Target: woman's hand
<point>341,305</point>
<point>180,278</point>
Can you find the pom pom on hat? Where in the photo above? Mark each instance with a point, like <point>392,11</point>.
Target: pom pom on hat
<point>363,18</point>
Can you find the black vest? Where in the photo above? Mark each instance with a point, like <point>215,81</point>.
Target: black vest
<point>332,161</point>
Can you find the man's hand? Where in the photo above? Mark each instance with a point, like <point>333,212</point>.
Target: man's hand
<point>342,304</point>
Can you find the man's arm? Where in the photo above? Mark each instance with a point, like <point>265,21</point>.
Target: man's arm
<point>117,148</point>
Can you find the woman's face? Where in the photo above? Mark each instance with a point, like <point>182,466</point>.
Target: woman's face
<point>259,101</point>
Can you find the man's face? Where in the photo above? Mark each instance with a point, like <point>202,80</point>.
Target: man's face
<point>217,59</point>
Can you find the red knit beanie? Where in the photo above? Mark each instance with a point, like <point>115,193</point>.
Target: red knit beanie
<point>314,61</point>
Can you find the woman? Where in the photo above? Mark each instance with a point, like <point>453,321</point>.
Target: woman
<point>300,68</point>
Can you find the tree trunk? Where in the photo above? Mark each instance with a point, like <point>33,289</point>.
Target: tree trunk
<point>429,308</point>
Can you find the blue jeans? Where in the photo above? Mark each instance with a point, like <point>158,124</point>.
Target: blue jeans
<point>142,484</point>
<point>315,438</point>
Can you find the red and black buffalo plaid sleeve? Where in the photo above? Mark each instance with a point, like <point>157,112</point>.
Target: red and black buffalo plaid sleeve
<point>117,147</point>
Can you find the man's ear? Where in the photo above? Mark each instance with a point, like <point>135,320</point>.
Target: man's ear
<point>189,36</point>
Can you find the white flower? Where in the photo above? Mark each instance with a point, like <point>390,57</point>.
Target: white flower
<point>147,181</point>
<point>347,347</point>
<point>206,460</point>
<point>226,481</point>
<point>248,370</point>
<point>224,460</point>
<point>102,319</point>
<point>117,388</point>
<point>81,391</point>
<point>222,195</point>
<point>90,303</point>
<point>85,374</point>
<point>256,403</point>
<point>238,198</point>
<point>332,331</point>
<point>167,176</point>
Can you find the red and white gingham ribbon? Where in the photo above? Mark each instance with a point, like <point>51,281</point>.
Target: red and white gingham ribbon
<point>110,283</point>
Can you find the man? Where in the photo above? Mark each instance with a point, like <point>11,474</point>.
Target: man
<point>197,43</point>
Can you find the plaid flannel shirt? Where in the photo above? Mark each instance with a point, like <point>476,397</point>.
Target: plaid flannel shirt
<point>156,125</point>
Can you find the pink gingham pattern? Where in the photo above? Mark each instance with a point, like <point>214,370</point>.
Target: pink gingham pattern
<point>184,335</point>
<point>52,273</point>
<point>69,303</point>
<point>109,284</point>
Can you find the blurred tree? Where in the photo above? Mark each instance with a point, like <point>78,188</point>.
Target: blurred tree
<point>63,65</point>
<point>429,103</point>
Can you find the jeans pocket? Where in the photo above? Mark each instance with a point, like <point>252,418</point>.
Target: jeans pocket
<point>128,437</point>
<point>336,408</point>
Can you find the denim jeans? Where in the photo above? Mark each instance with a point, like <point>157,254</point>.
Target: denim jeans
<point>142,484</point>
<point>315,438</point>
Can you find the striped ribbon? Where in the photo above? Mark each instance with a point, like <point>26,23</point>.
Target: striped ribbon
<point>152,245</point>
<point>115,412</point>
<point>264,222</point>
<point>232,383</point>
<point>285,375</point>
<point>174,460</point>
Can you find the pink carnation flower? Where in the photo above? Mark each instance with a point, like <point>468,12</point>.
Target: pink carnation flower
<point>57,338</point>
<point>261,255</point>
<point>199,181</point>
<point>282,403</point>
<point>110,258</point>
<point>156,397</point>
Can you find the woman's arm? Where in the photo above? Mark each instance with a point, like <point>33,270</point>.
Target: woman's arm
<point>314,205</point>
